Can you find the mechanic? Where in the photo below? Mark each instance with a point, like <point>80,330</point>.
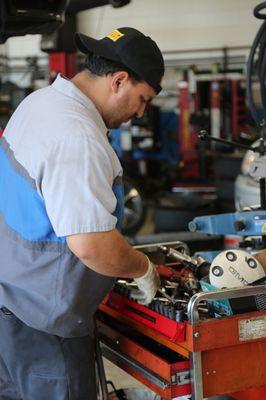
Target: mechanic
<point>61,209</point>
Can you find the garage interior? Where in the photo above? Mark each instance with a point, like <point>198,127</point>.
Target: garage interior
<point>194,182</point>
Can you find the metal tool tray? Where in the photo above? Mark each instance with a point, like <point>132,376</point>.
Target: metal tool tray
<point>159,323</point>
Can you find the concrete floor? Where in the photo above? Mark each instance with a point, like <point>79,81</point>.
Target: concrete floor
<point>120,378</point>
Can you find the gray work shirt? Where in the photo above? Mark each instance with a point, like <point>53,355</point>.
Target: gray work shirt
<point>59,176</point>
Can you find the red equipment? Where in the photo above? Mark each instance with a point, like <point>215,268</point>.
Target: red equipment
<point>61,62</point>
<point>198,357</point>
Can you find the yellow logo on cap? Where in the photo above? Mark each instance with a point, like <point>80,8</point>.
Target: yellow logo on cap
<point>115,35</point>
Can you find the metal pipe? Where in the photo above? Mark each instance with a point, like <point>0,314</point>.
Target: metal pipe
<point>193,313</point>
<point>101,372</point>
<point>203,135</point>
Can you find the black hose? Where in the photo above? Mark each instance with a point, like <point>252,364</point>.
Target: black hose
<point>262,68</point>
<point>258,45</point>
<point>257,62</point>
<point>257,10</point>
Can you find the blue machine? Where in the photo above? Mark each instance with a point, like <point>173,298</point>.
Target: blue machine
<point>243,223</point>
<point>166,147</point>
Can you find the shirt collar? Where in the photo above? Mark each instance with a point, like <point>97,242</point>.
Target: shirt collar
<point>66,87</point>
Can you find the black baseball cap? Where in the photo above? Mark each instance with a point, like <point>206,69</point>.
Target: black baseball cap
<point>131,48</point>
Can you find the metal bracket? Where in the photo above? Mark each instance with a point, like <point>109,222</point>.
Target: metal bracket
<point>193,312</point>
<point>181,378</point>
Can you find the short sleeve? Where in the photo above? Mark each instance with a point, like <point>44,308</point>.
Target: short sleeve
<point>76,184</point>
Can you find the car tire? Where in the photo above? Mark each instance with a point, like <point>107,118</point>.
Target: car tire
<point>135,209</point>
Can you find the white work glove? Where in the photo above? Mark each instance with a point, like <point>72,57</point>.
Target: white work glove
<point>148,285</point>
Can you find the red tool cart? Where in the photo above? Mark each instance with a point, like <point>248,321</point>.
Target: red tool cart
<point>192,359</point>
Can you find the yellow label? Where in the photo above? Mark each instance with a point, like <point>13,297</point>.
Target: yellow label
<point>115,35</point>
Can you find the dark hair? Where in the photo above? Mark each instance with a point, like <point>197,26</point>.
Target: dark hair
<point>102,67</point>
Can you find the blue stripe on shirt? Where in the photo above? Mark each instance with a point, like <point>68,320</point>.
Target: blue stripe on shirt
<point>22,207</point>
<point>118,190</point>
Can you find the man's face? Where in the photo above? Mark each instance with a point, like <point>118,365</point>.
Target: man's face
<point>130,101</point>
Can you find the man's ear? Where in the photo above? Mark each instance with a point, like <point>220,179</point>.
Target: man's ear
<point>118,80</point>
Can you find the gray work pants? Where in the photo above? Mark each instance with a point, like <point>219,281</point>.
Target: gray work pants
<point>35,365</point>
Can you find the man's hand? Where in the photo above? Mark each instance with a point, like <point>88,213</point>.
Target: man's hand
<point>148,285</point>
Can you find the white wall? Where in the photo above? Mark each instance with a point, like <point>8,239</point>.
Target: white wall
<point>179,24</point>
<point>23,46</point>
<point>17,49</point>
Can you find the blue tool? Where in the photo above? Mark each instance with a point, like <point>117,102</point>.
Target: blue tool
<point>242,223</point>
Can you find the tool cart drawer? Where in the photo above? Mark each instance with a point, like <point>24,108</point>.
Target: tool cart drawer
<point>161,369</point>
<point>171,329</point>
